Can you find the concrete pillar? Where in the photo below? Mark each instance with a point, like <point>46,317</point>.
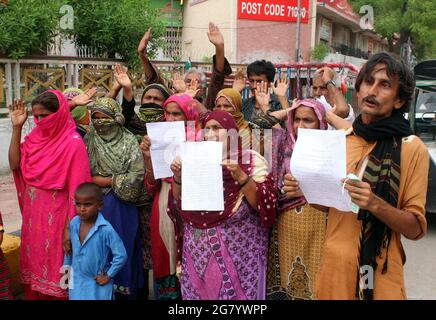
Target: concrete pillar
<point>8,76</point>
<point>17,81</point>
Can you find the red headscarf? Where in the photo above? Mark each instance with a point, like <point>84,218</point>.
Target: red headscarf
<point>187,104</point>
<point>209,219</point>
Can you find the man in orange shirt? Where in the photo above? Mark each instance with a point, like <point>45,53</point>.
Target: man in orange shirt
<point>363,257</point>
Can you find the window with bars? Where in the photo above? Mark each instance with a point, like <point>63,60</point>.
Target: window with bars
<point>173,47</point>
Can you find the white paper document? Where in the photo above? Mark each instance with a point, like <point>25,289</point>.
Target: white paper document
<point>166,138</point>
<point>319,163</point>
<point>202,176</point>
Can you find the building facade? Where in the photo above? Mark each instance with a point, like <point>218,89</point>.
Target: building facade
<point>331,22</point>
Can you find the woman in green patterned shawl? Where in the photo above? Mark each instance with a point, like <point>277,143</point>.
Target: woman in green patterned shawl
<point>117,166</point>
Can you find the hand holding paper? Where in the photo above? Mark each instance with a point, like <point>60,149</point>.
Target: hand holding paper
<point>165,143</point>
<point>319,163</point>
<point>202,176</point>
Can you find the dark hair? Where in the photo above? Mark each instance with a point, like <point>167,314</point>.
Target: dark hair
<point>394,69</point>
<point>48,100</point>
<point>261,67</point>
<point>91,189</point>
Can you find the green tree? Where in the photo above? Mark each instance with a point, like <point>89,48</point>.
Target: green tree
<point>27,26</point>
<point>319,52</point>
<point>116,26</point>
<point>414,19</point>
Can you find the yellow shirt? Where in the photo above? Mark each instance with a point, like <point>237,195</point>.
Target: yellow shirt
<point>338,271</point>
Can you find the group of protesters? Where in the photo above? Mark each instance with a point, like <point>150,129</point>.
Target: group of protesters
<point>91,205</point>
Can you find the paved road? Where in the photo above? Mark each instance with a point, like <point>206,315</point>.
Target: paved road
<point>420,275</point>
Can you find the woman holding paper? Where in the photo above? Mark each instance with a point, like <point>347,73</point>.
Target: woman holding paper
<point>298,236</point>
<point>117,166</point>
<point>163,231</point>
<point>225,252</point>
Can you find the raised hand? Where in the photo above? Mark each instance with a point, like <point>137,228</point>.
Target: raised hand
<point>327,74</point>
<point>179,84</point>
<point>144,42</point>
<point>122,77</point>
<point>18,113</point>
<point>240,81</point>
<point>215,36</point>
<point>262,96</point>
<point>281,86</point>
<point>193,88</point>
<point>83,99</point>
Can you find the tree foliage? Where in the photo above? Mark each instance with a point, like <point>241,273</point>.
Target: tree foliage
<point>319,52</point>
<point>408,18</point>
<point>116,27</point>
<point>27,26</point>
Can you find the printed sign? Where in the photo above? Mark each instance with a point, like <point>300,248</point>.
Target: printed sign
<point>273,10</point>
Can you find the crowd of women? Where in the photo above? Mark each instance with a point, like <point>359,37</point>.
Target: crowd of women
<point>266,243</point>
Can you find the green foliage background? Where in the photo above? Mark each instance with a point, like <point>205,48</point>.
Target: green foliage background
<point>116,26</point>
<point>107,26</point>
<point>319,52</point>
<point>414,18</point>
<point>27,26</point>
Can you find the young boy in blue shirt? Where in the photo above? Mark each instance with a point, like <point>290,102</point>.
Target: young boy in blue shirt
<point>98,252</point>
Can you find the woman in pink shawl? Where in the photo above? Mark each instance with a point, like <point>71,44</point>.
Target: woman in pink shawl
<point>179,107</point>
<point>298,236</point>
<point>48,166</point>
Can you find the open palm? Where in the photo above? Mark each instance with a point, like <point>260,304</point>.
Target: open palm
<point>215,35</point>
<point>121,76</point>
<point>262,95</point>
<point>84,98</point>
<point>281,87</point>
<point>18,113</point>
<point>179,84</point>
<point>239,82</point>
<point>144,41</point>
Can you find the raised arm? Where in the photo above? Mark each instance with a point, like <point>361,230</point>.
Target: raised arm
<point>142,51</point>
<point>280,89</point>
<point>18,114</point>
<point>216,38</point>
<point>124,81</point>
<point>83,99</point>
<point>221,67</point>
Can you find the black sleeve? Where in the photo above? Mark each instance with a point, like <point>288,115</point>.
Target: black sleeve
<point>128,110</point>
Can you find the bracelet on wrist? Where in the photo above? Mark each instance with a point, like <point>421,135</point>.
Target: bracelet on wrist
<point>245,182</point>
<point>179,183</point>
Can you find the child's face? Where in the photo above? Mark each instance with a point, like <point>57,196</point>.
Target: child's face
<point>87,206</point>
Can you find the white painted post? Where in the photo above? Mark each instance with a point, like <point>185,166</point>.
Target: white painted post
<point>69,80</point>
<point>76,76</point>
<point>8,76</point>
<point>17,81</point>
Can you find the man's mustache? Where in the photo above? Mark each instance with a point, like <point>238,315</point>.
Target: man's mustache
<point>371,100</point>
